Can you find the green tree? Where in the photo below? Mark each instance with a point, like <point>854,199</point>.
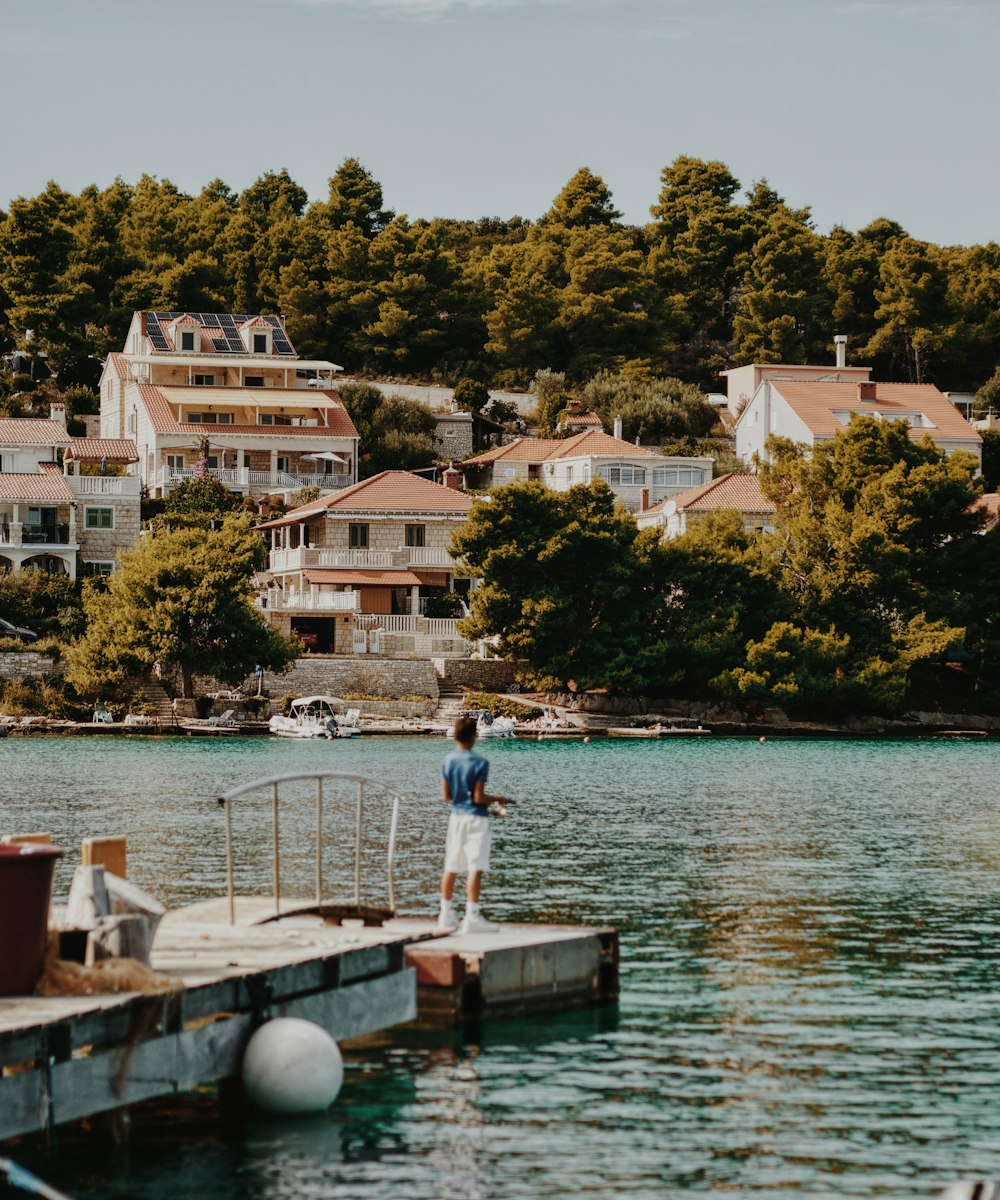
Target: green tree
<point>45,604</point>
<point>396,434</point>
<point>471,396</point>
<point>551,396</point>
<point>198,503</point>
<point>652,410</point>
<point>181,599</point>
<point>584,202</point>
<point>568,585</point>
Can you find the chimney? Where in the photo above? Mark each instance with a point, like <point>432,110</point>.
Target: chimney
<point>574,407</point>
<point>644,500</point>
<point>451,478</point>
<point>866,392</point>
<point>57,413</point>
<point>618,428</point>
<point>840,345</point>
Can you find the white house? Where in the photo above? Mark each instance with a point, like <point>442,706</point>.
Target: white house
<point>812,410</point>
<point>63,517</point>
<point>230,390</point>
<point>637,475</point>
<point>729,493</point>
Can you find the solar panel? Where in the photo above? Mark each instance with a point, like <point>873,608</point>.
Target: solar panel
<point>220,344</point>
<point>155,333</point>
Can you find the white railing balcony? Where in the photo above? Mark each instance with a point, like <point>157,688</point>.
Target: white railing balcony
<point>425,556</point>
<point>309,601</point>
<point>446,627</point>
<point>129,486</point>
<point>245,479</point>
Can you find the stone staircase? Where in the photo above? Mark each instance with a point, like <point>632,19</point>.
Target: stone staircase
<point>451,701</point>
<point>154,692</point>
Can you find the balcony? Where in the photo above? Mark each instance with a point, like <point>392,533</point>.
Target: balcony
<point>402,559</point>
<point>276,600</point>
<point>17,535</point>
<point>243,479</point>
<point>126,486</point>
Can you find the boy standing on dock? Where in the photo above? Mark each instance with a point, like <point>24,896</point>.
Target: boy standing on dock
<point>463,786</point>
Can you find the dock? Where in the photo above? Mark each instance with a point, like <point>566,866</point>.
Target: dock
<point>223,966</point>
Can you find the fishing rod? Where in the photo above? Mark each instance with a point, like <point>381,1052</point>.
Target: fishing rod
<point>19,1177</point>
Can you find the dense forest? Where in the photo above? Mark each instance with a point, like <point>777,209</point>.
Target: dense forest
<point>717,276</point>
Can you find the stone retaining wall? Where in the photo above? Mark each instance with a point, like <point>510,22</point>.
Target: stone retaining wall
<point>325,675</point>
<point>478,674</point>
<point>27,665</point>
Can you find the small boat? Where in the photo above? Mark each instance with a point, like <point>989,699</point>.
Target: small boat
<point>487,725</point>
<point>316,717</point>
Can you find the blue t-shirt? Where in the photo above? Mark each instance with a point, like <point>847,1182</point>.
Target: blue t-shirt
<point>463,769</point>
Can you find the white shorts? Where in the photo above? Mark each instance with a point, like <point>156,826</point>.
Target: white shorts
<point>468,846</point>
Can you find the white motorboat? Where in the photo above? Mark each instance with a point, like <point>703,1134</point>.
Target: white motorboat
<point>316,717</point>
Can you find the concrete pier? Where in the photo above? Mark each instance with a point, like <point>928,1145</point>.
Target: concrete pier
<point>517,970</point>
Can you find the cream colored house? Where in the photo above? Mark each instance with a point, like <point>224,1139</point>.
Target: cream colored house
<point>637,475</point>
<point>354,572</point>
<point>228,391</point>
<point>811,411</point>
<point>55,516</point>
<point>728,493</point>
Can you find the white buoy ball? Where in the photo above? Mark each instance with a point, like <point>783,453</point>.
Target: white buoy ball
<point>292,1066</point>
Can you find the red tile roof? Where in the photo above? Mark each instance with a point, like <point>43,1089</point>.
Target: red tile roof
<point>596,442</point>
<point>27,431</point>
<point>356,578</point>
<point>389,492</point>
<point>817,404</point>
<point>538,450</point>
<point>48,485</point>
<point>583,420</point>
<point>740,493</point>
<point>156,400</point>
<point>117,450</point>
<point>119,364</point>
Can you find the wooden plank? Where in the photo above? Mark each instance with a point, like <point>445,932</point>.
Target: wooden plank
<point>107,852</point>
<point>181,1061</point>
<point>26,839</point>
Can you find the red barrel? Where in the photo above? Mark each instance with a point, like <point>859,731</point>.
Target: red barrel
<point>25,890</point>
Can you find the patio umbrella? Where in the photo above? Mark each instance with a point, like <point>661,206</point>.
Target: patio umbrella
<point>323,456</point>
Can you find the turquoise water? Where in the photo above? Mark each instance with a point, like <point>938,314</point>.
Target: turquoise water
<point>810,996</point>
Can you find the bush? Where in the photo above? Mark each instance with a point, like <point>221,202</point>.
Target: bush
<point>43,603</point>
<point>502,706</point>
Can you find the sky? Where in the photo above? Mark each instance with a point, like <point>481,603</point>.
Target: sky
<point>466,108</point>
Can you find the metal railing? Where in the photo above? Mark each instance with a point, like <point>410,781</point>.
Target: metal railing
<point>363,787</point>
<point>246,477</point>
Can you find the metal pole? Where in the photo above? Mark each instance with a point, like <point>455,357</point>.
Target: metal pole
<point>357,846</point>
<point>277,862</point>
<point>319,841</point>
<point>392,851</point>
<point>229,864</point>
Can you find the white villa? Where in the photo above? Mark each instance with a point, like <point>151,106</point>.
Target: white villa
<point>637,475</point>
<point>231,390</point>
<point>68,517</point>
<point>811,411</point>
<point>355,571</point>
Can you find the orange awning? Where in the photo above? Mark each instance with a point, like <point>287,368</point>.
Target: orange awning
<point>352,578</point>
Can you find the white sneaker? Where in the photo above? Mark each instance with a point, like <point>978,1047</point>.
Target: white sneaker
<point>448,921</point>
<point>478,925</point>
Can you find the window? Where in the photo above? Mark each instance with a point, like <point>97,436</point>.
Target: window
<point>253,380</point>
<point>622,473</point>
<point>274,419</point>
<point>6,462</point>
<point>213,462</point>
<point>260,343</point>
<point>99,518</point>
<point>204,380</point>
<point>98,568</point>
<point>678,476</point>
<point>284,463</point>
<point>509,473</point>
<point>569,474</point>
<point>202,418</point>
<point>187,339</point>
<point>175,462</point>
<point>131,421</point>
<point>225,418</point>
<point>415,535</point>
<point>357,537</point>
